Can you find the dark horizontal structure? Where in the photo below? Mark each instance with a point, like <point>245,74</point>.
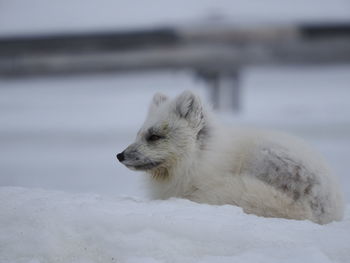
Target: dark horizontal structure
<point>325,30</point>
<point>215,52</point>
<point>88,42</point>
<point>202,48</point>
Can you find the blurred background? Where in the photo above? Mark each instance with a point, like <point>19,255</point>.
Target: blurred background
<point>76,78</point>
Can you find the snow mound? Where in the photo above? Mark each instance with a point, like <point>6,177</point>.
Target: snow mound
<point>39,226</point>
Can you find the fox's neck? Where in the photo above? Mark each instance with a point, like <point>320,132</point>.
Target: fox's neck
<point>160,174</point>
<point>189,162</point>
<point>176,180</point>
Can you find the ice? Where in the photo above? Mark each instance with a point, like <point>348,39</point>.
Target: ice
<point>49,226</point>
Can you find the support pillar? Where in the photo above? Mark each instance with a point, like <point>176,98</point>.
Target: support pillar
<point>224,90</point>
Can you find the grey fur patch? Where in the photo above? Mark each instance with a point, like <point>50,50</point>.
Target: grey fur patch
<point>161,131</point>
<point>145,166</point>
<point>190,107</point>
<point>131,154</point>
<point>184,108</point>
<point>135,160</point>
<point>286,174</point>
<point>203,137</point>
<point>317,207</point>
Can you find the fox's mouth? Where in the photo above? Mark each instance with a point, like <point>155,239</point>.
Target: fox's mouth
<point>144,166</point>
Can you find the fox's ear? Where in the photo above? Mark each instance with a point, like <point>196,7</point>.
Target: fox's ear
<point>189,106</point>
<point>158,99</point>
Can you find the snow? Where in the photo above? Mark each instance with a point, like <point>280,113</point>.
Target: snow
<point>63,133</point>
<point>49,226</point>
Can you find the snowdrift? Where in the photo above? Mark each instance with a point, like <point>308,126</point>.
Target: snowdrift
<point>39,226</point>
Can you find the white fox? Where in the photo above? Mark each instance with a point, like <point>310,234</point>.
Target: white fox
<point>188,155</point>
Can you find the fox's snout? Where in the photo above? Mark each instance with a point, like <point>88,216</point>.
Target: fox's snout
<point>121,156</point>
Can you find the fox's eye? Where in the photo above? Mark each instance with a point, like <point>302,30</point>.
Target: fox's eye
<point>154,137</point>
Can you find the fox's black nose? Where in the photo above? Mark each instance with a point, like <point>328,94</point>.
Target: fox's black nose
<point>120,156</point>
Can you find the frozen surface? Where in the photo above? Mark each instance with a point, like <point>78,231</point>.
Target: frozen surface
<point>46,226</point>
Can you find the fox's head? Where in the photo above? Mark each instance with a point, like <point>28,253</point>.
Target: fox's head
<point>173,131</point>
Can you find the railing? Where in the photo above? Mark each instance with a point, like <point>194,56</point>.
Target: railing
<point>216,53</point>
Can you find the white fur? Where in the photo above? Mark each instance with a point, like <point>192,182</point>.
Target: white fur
<point>266,173</point>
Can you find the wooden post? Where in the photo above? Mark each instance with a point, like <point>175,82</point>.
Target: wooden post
<point>229,91</point>
<point>224,90</point>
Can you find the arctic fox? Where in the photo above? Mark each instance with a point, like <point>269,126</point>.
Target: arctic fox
<point>270,174</point>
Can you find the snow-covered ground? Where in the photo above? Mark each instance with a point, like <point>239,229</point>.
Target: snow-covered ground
<point>63,133</point>
<point>45,226</point>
